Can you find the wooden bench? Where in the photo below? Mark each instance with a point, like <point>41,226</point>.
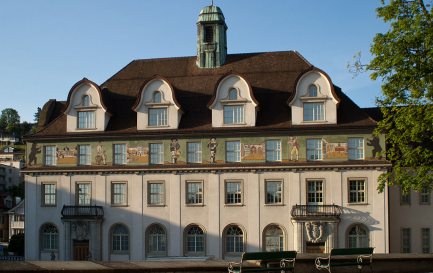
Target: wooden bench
<point>358,257</point>
<point>281,261</point>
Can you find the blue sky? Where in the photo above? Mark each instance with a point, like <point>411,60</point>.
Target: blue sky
<point>48,45</point>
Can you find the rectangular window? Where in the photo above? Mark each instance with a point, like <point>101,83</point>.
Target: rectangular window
<point>356,148</point>
<point>424,197</point>
<point>233,151</point>
<point>157,117</point>
<point>357,191</point>
<point>405,240</point>
<point>314,111</point>
<point>233,114</point>
<point>234,192</point>
<point>156,153</point>
<point>119,154</point>
<point>119,194</point>
<point>425,240</point>
<point>83,193</point>
<point>404,198</point>
<point>48,194</point>
<point>194,152</point>
<point>50,156</point>
<point>273,150</point>
<point>194,192</point>
<point>156,193</point>
<point>84,155</point>
<point>315,192</point>
<point>314,149</point>
<point>274,193</point>
<point>86,120</point>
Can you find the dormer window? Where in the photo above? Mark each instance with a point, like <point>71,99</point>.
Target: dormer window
<point>85,102</point>
<point>86,120</point>
<point>312,90</point>
<point>234,114</point>
<point>156,97</point>
<point>208,34</point>
<point>314,111</point>
<point>233,94</point>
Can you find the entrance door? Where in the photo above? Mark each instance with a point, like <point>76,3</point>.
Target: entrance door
<point>315,247</point>
<point>81,250</point>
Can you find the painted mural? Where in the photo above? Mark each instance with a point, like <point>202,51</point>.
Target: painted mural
<point>138,154</point>
<point>293,148</point>
<point>253,152</point>
<point>334,150</point>
<point>67,155</point>
<point>34,151</point>
<point>101,155</point>
<point>212,145</point>
<point>174,150</point>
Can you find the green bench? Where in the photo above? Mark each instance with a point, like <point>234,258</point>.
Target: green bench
<point>281,261</point>
<point>358,257</point>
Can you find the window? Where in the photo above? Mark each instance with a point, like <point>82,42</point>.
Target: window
<point>357,236</point>
<point>194,152</point>
<point>49,238</point>
<point>234,192</point>
<point>233,114</point>
<point>274,192</point>
<point>86,120</point>
<point>233,151</point>
<point>195,241</point>
<point>312,90</point>
<point>157,97</point>
<point>356,148</point>
<point>233,94</point>
<point>85,101</point>
<point>50,156</point>
<point>404,197</point>
<point>156,153</point>
<point>314,149</point>
<point>83,193</point>
<point>357,191</point>
<point>208,34</point>
<point>119,154</point>
<point>234,240</point>
<point>405,240</point>
<point>156,240</point>
<point>273,239</point>
<point>314,111</point>
<point>194,192</point>
<point>273,150</point>
<point>315,192</point>
<point>84,155</point>
<point>119,239</point>
<point>158,116</point>
<point>425,240</point>
<point>119,194</point>
<point>424,196</point>
<point>156,193</point>
<point>48,194</point>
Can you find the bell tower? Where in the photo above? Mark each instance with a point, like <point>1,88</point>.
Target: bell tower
<point>211,38</point>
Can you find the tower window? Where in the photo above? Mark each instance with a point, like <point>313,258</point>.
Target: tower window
<point>208,34</point>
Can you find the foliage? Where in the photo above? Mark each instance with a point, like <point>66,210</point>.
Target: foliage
<point>9,121</point>
<point>403,59</point>
<point>16,244</point>
<point>37,115</point>
<point>17,190</point>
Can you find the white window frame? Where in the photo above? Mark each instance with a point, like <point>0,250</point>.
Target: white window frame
<point>86,119</point>
<point>155,198</point>
<point>233,151</point>
<point>123,239</point>
<point>356,148</point>
<point>157,116</point>
<point>156,153</point>
<point>159,238</point>
<point>50,155</point>
<point>234,114</point>
<point>194,196</point>
<point>49,240</point>
<point>194,152</point>
<point>84,155</point>
<point>274,197</point>
<point>83,198</point>
<point>359,240</point>
<point>358,193</point>
<point>314,111</point>
<point>233,195</point>
<point>314,149</point>
<point>273,150</point>
<point>119,198</point>
<point>49,195</point>
<point>406,240</point>
<point>234,241</point>
<point>273,239</point>
<point>195,241</point>
<point>425,240</point>
<point>315,196</point>
<point>119,154</point>
<point>425,196</point>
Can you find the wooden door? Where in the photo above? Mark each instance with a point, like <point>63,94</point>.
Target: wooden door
<point>81,250</point>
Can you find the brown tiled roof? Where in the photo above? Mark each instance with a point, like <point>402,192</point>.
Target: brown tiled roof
<point>272,76</point>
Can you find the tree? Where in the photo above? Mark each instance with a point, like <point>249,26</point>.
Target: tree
<point>37,115</point>
<point>9,121</point>
<point>403,59</point>
<point>16,244</point>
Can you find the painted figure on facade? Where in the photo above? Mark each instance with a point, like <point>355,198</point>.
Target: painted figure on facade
<point>294,150</point>
<point>314,231</point>
<point>212,145</point>
<point>174,149</point>
<point>32,155</point>
<point>100,155</point>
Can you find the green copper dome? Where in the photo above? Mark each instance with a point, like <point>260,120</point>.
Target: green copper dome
<point>211,14</point>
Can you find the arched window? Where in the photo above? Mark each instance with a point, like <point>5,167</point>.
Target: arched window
<point>49,238</point>
<point>119,239</point>
<point>195,241</point>
<point>233,94</point>
<point>357,236</point>
<point>156,240</point>
<point>273,238</point>
<point>85,100</point>
<point>312,90</point>
<point>234,240</point>
<point>157,97</point>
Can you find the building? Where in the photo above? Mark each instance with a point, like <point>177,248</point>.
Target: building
<point>6,203</point>
<point>16,219</point>
<point>209,155</point>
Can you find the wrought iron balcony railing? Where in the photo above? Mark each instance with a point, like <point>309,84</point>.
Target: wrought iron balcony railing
<point>82,212</point>
<point>316,211</point>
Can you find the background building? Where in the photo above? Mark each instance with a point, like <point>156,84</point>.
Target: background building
<point>204,156</point>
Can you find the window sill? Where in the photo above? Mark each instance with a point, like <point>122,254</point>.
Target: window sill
<point>119,205</point>
<point>274,204</point>
<point>48,206</point>
<point>85,129</point>
<point>234,205</point>
<point>314,122</point>
<point>156,205</point>
<point>195,205</point>
<point>357,204</point>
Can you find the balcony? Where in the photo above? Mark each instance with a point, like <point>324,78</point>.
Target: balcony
<point>82,213</point>
<point>17,225</point>
<point>314,212</point>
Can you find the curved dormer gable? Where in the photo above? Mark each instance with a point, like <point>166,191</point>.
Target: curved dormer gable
<point>314,101</point>
<point>156,106</point>
<point>233,104</point>
<point>86,110</point>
